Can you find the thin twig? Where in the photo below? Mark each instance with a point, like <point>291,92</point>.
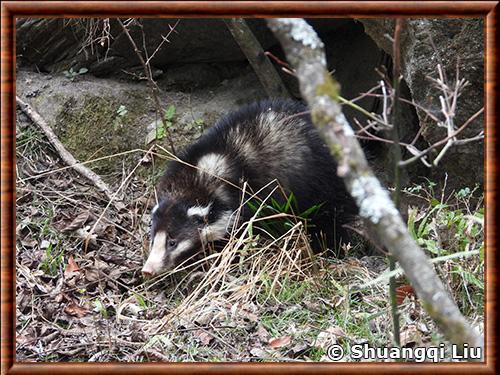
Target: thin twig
<point>164,40</point>
<point>305,51</point>
<point>396,118</point>
<point>151,83</point>
<point>65,155</point>
<point>443,141</point>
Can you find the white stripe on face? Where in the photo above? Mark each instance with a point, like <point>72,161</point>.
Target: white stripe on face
<point>154,264</point>
<point>180,248</point>
<point>217,230</point>
<point>199,210</point>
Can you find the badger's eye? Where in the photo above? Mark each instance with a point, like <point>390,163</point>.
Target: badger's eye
<point>172,243</point>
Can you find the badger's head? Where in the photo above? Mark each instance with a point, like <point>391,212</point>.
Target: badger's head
<point>179,231</point>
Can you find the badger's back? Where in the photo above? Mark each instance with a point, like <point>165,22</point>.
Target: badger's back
<point>261,142</point>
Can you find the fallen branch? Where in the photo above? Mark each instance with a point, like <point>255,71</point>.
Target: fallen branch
<point>65,155</point>
<point>305,52</point>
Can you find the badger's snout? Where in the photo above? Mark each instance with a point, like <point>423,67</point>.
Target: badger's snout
<point>180,231</point>
<point>166,253</point>
<point>155,262</point>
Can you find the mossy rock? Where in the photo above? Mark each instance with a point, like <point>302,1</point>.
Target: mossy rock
<point>101,127</point>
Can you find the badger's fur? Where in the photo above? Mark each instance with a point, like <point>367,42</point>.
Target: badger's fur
<point>261,142</point>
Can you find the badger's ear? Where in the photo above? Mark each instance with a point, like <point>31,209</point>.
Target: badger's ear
<point>162,201</point>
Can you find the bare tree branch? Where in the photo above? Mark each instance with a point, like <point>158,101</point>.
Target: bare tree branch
<point>268,77</point>
<point>396,119</point>
<point>447,139</point>
<point>151,83</point>
<point>305,52</point>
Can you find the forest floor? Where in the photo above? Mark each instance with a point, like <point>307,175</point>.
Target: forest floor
<point>81,296</point>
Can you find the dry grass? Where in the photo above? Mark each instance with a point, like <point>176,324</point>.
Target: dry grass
<point>80,296</point>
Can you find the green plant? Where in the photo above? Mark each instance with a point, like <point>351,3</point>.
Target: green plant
<point>121,112</point>
<point>444,228</point>
<point>454,226</point>
<point>52,260</point>
<point>196,125</point>
<point>288,290</point>
<point>72,74</point>
<point>315,353</point>
<point>277,218</point>
<point>161,127</point>
<point>99,306</point>
<point>141,301</point>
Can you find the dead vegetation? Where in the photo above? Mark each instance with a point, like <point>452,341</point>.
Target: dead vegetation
<point>80,296</point>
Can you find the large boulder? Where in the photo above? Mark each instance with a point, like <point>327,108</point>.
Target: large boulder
<point>101,117</point>
<point>78,42</point>
<point>453,43</point>
<point>201,58</point>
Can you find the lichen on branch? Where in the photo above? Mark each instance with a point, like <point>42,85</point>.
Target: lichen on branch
<point>305,52</point>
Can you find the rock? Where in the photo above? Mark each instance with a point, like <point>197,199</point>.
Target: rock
<point>425,44</point>
<point>85,114</point>
<point>199,53</point>
<point>193,41</point>
<point>43,42</point>
<point>201,62</point>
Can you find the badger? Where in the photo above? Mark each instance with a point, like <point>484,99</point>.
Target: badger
<point>261,142</point>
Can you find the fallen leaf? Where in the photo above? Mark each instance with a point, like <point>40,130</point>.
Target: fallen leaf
<point>24,339</point>
<point>204,337</point>
<point>29,242</point>
<point>72,266</point>
<point>279,342</point>
<point>402,292</point>
<point>75,310</point>
<point>68,224</point>
<point>106,231</point>
<point>62,296</point>
<point>92,275</point>
<point>262,333</point>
